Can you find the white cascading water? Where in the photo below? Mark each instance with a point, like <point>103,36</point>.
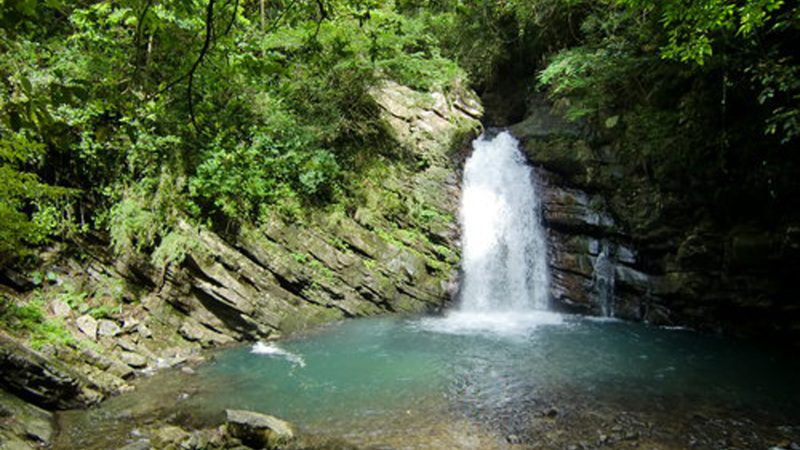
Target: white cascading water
<point>504,285</point>
<point>504,254</point>
<point>603,280</point>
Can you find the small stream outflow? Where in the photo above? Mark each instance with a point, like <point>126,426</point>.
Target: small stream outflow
<point>603,280</point>
<point>503,245</point>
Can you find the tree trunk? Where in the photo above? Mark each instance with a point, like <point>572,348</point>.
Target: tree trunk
<point>263,15</point>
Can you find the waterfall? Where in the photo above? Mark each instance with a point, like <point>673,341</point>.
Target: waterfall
<point>504,253</point>
<point>603,280</point>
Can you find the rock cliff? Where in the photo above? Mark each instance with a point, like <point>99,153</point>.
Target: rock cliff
<point>622,245</point>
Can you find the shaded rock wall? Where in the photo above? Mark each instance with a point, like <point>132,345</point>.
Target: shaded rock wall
<point>664,262</point>
<point>22,425</point>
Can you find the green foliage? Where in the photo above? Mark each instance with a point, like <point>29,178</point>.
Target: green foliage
<point>751,37</point>
<point>274,167</point>
<point>174,247</point>
<point>685,92</point>
<point>103,311</point>
<point>73,296</point>
<point>50,332</point>
<point>100,300</point>
<point>777,81</point>
<point>29,209</point>
<point>144,213</point>
<point>300,258</point>
<point>29,319</point>
<point>139,119</point>
<point>321,269</point>
<point>693,26</point>
<point>404,48</point>
<point>487,37</point>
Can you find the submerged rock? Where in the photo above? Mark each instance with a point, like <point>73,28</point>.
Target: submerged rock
<point>141,444</point>
<point>169,435</point>
<point>258,430</point>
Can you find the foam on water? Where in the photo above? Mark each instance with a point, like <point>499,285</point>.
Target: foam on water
<point>270,349</point>
<point>499,324</point>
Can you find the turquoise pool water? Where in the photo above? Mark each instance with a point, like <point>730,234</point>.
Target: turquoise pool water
<point>463,381</point>
<point>356,377</point>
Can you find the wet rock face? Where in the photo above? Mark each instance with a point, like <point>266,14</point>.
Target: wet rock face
<point>668,266</point>
<point>42,381</point>
<point>22,425</point>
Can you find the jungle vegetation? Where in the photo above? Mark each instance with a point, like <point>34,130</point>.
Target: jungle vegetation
<point>123,117</point>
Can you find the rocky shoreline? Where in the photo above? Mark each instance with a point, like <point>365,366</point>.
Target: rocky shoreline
<point>565,418</point>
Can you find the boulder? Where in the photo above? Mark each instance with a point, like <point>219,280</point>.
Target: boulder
<point>258,430</point>
<point>195,332</point>
<point>169,436</point>
<point>60,308</point>
<point>108,328</point>
<point>134,360</point>
<point>130,324</point>
<point>144,331</point>
<point>88,325</point>
<point>126,344</point>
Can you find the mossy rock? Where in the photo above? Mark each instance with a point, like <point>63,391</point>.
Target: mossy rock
<point>259,430</point>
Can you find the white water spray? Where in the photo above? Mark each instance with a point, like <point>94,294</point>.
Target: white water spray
<point>504,254</point>
<point>271,349</point>
<point>504,288</point>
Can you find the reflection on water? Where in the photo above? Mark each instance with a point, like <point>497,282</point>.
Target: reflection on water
<point>375,381</point>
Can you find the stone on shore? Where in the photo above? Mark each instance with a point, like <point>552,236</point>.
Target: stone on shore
<point>258,430</point>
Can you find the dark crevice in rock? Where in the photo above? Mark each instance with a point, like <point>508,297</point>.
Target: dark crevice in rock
<point>197,271</point>
<point>40,380</point>
<point>294,287</point>
<point>329,305</point>
<point>15,281</point>
<point>333,293</point>
<point>249,281</point>
<point>580,229</point>
<point>355,249</point>
<point>252,257</point>
<point>466,111</point>
<point>229,315</point>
